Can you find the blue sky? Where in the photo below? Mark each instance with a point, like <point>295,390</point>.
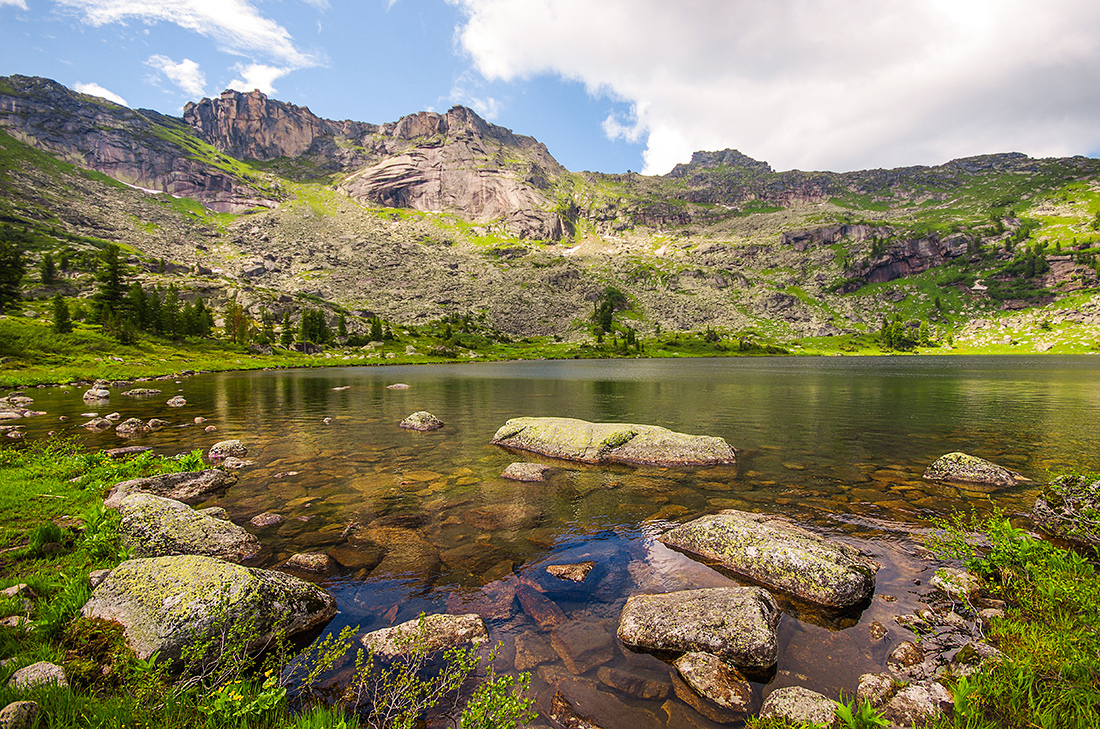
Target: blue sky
<point>612,85</point>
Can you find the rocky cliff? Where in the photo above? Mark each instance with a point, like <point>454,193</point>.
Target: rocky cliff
<point>138,147</point>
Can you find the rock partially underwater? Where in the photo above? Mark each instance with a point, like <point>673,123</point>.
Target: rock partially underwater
<point>964,468</point>
<point>579,440</point>
<point>775,553</point>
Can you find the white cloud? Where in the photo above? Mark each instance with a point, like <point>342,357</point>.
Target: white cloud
<point>319,4</point>
<point>21,4</point>
<point>97,90</point>
<point>461,93</point>
<point>814,85</point>
<point>257,76</point>
<point>235,25</point>
<point>185,74</point>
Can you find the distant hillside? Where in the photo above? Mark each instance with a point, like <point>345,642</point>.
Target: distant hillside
<point>438,214</point>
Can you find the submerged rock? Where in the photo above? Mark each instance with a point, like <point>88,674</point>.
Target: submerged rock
<point>431,632</point>
<point>737,624</point>
<point>141,392</point>
<point>579,440</point>
<point>964,468</point>
<point>1068,508</point>
<point>189,487</point>
<point>318,562</point>
<point>152,526</point>
<point>167,603</point>
<point>775,553</point>
<point>525,472</point>
<point>421,420</point>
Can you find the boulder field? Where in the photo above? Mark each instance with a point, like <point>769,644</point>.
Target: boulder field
<point>578,440</point>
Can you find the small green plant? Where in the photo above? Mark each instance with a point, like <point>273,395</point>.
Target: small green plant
<point>238,700</point>
<point>862,717</point>
<point>498,701</point>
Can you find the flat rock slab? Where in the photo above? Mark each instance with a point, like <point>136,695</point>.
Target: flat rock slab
<point>737,624</point>
<point>964,468</point>
<point>189,487</point>
<point>578,704</point>
<point>432,632</point>
<point>582,645</point>
<point>167,603</point>
<point>713,679</point>
<point>777,554</point>
<point>152,526</point>
<point>579,440</point>
<point>1067,508</point>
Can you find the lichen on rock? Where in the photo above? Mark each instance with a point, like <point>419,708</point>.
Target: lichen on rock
<point>152,526</point>
<point>964,468</point>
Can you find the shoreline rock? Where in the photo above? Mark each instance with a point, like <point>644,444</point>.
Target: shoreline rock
<point>960,467</point>
<point>579,440</point>
<point>775,553</point>
<point>153,526</point>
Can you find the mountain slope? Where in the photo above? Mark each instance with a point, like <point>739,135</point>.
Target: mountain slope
<point>437,214</point>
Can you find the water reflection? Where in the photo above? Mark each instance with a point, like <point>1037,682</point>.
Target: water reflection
<point>423,522</point>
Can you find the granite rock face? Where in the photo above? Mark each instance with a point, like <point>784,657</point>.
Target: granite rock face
<point>736,624</point>
<point>775,553</point>
<point>167,603</point>
<point>578,440</point>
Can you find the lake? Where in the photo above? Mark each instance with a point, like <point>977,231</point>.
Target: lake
<point>836,444</point>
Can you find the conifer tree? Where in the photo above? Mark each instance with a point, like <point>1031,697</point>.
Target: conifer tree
<point>286,332</point>
<point>47,270</point>
<point>12,267</point>
<point>62,324</point>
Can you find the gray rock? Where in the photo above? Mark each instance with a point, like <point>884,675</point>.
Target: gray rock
<point>226,448</point>
<point>918,704</point>
<point>875,689</point>
<point>571,572</point>
<point>167,603</point>
<point>579,440</point>
<point>97,394</point>
<point>737,624</point>
<point>97,576</point>
<point>98,424</point>
<point>525,472</point>
<point>130,428</point>
<point>156,423</point>
<point>397,386</point>
<point>218,512</point>
<point>795,704</point>
<point>18,715</point>
<point>714,680</point>
<point>266,519</point>
<point>775,553</point>
<point>1067,509</point>
<point>956,584</point>
<point>311,562</point>
<point>905,656</point>
<point>190,487</point>
<point>433,632</point>
<point>38,674</point>
<point>421,420</point>
<point>236,464</point>
<point>141,392</point>
<point>176,402</point>
<point>964,468</point>
<point>153,526</point>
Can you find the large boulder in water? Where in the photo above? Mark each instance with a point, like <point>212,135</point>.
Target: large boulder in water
<point>421,420</point>
<point>190,487</point>
<point>226,448</point>
<point>737,624</point>
<point>167,603</point>
<point>1069,508</point>
<point>579,440</point>
<point>152,526</point>
<point>964,468</point>
<point>778,554</point>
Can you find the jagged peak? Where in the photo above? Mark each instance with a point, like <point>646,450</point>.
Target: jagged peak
<point>722,158</point>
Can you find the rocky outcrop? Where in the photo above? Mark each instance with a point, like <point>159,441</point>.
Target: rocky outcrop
<point>579,440</point>
<point>1069,508</point>
<point>964,468</point>
<point>141,148</point>
<point>189,487</point>
<point>773,552</point>
<point>430,633</point>
<point>152,526</point>
<point>736,624</point>
<point>167,603</point>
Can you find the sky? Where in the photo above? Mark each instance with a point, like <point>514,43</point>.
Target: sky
<point>614,85</point>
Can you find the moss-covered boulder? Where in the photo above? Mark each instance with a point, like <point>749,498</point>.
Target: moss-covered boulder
<point>964,468</point>
<point>167,603</point>
<point>737,624</point>
<point>152,526</point>
<point>226,448</point>
<point>1069,507</point>
<point>190,487</point>
<point>778,554</point>
<point>579,440</point>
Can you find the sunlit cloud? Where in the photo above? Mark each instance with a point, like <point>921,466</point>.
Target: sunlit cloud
<point>185,74</point>
<point>257,76</point>
<point>97,90</point>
